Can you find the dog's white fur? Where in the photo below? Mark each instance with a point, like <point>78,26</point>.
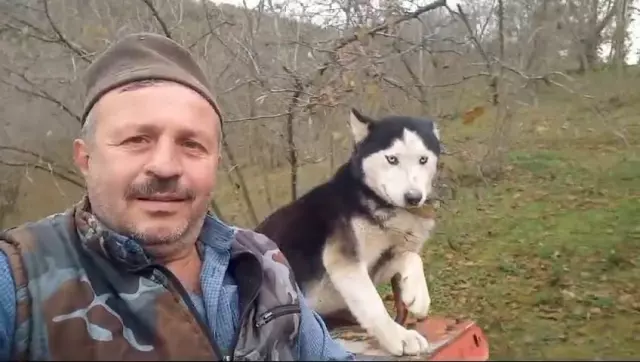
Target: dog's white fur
<point>348,283</point>
<point>392,181</point>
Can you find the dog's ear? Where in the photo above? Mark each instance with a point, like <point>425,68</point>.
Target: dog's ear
<point>436,130</point>
<point>360,125</point>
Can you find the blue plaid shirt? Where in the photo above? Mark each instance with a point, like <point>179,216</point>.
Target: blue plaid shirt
<point>218,305</point>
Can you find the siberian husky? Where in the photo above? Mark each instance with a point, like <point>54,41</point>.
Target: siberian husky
<point>359,229</point>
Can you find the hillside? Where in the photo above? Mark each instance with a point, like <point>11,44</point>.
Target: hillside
<point>538,239</point>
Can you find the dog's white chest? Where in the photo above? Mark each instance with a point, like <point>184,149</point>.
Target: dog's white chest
<point>402,230</point>
<point>372,241</point>
<point>410,226</point>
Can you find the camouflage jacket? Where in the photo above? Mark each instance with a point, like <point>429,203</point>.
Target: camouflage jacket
<point>84,295</point>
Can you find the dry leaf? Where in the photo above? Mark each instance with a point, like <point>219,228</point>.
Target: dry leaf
<point>472,114</point>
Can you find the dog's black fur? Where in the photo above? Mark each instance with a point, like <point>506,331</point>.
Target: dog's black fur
<point>302,227</point>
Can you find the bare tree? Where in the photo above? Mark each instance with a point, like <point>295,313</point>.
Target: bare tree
<point>287,72</point>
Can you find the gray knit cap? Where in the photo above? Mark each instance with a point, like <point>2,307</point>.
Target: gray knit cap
<point>143,56</point>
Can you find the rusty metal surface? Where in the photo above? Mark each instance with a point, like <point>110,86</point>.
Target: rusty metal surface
<point>447,338</point>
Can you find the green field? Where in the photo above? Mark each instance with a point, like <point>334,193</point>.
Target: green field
<point>547,262</point>
<point>547,258</point>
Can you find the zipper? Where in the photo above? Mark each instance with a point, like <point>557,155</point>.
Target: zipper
<point>243,316</point>
<point>277,312</point>
<point>192,308</point>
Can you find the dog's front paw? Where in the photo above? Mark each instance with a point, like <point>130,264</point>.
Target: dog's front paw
<point>400,341</point>
<point>414,290</point>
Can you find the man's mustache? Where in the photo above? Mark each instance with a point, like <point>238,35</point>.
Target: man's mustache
<point>156,188</point>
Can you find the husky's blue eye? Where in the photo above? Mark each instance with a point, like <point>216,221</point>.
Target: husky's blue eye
<point>392,160</point>
<point>423,160</point>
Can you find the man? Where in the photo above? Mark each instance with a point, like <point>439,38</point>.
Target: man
<point>139,269</point>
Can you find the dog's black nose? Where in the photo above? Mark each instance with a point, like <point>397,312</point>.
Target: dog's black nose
<point>412,197</point>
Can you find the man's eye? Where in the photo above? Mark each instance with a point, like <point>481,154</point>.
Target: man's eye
<point>136,139</point>
<point>192,144</point>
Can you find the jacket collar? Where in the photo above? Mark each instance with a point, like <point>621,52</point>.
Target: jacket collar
<point>128,252</point>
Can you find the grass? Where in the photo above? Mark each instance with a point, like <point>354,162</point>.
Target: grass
<point>547,259</point>
<point>547,262</point>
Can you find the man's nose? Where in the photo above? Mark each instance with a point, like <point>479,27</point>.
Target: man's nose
<point>165,161</point>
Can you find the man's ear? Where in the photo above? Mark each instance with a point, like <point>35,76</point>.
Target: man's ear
<point>360,125</point>
<point>81,155</point>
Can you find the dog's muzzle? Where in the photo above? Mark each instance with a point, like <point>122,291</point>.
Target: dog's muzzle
<point>413,197</point>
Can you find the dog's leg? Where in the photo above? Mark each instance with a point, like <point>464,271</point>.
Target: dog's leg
<point>402,313</point>
<point>412,284</point>
<point>351,279</point>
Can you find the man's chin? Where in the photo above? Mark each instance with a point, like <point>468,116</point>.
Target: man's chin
<point>160,208</point>
<point>159,231</point>
<point>158,237</point>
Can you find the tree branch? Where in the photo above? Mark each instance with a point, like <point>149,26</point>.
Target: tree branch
<point>83,54</point>
<point>259,117</point>
<point>493,83</point>
<point>47,168</point>
<point>49,165</point>
<point>156,15</point>
<point>382,27</point>
<point>41,93</point>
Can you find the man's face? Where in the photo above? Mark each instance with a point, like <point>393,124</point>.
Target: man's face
<point>150,165</point>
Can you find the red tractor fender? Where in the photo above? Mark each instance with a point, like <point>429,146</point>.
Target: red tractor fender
<point>450,339</point>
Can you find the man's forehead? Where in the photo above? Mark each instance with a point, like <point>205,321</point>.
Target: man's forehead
<point>115,120</point>
<point>124,104</point>
<point>153,126</point>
